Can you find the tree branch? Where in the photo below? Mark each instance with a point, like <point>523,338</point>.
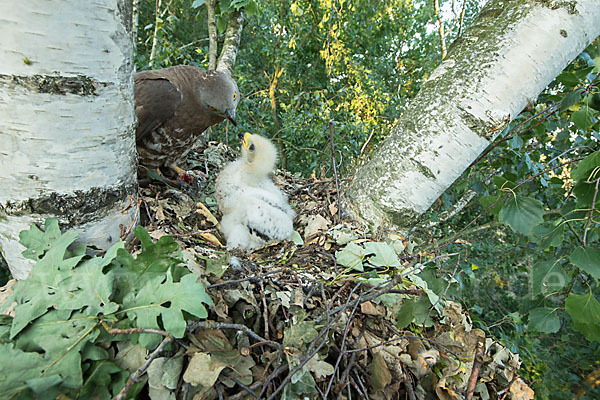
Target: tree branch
<point>212,34</point>
<point>133,378</point>
<point>231,43</point>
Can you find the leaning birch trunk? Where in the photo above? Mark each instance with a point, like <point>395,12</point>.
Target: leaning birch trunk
<point>502,61</point>
<point>67,143</point>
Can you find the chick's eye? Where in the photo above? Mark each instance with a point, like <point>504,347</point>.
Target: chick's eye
<point>251,147</point>
<point>211,108</point>
<point>234,95</point>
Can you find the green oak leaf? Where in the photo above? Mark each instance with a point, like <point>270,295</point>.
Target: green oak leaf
<point>161,297</point>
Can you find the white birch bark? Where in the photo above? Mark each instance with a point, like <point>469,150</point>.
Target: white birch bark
<point>231,43</point>
<point>212,34</point>
<point>503,61</point>
<point>67,143</point>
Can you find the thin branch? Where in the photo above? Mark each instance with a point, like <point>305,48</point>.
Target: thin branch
<point>155,34</point>
<point>217,325</point>
<point>233,35</point>
<point>333,163</point>
<point>212,34</point>
<point>436,6</point>
<point>477,361</point>
<point>592,208</point>
<point>133,378</point>
<point>248,278</point>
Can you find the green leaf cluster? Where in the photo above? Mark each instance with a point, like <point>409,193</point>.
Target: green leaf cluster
<point>56,342</point>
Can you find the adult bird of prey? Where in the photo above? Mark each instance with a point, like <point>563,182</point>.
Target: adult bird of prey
<point>254,210</point>
<point>174,106</point>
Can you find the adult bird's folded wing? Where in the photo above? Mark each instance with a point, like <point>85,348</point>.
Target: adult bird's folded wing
<point>157,99</point>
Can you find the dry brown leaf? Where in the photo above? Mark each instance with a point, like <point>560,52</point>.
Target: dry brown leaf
<point>368,308</point>
<point>210,238</point>
<point>380,374</point>
<point>6,291</point>
<point>206,213</point>
<point>520,391</point>
<point>159,213</point>
<point>156,234</point>
<point>315,224</point>
<point>333,208</point>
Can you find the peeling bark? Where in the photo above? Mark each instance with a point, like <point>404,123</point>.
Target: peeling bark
<point>67,142</point>
<point>233,35</point>
<point>212,34</point>
<point>503,61</point>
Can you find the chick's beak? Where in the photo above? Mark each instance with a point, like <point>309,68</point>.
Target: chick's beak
<point>230,115</point>
<point>246,139</point>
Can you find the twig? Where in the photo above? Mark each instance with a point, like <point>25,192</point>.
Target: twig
<point>362,386</point>
<point>217,325</point>
<point>333,162</point>
<point>241,394</point>
<point>475,371</point>
<point>134,377</point>
<point>249,278</point>
<point>129,331</point>
<point>125,233</point>
<point>592,208</point>
<point>265,309</point>
<point>237,381</point>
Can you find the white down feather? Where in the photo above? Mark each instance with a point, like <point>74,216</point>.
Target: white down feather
<point>254,210</point>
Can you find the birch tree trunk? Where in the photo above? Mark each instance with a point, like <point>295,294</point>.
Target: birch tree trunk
<point>212,34</point>
<point>231,43</point>
<point>67,143</point>
<point>508,55</point>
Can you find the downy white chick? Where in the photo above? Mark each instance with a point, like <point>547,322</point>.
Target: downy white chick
<point>254,210</point>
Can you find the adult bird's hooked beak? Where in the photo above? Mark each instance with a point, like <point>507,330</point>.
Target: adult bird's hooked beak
<point>230,115</point>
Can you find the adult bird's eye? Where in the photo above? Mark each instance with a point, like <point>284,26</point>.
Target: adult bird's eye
<point>251,147</point>
<point>234,95</point>
<point>211,108</point>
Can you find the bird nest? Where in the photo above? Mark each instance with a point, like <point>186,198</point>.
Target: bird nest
<point>292,320</point>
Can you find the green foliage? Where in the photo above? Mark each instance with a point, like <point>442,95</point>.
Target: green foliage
<point>51,346</point>
<point>537,283</point>
<point>302,63</point>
